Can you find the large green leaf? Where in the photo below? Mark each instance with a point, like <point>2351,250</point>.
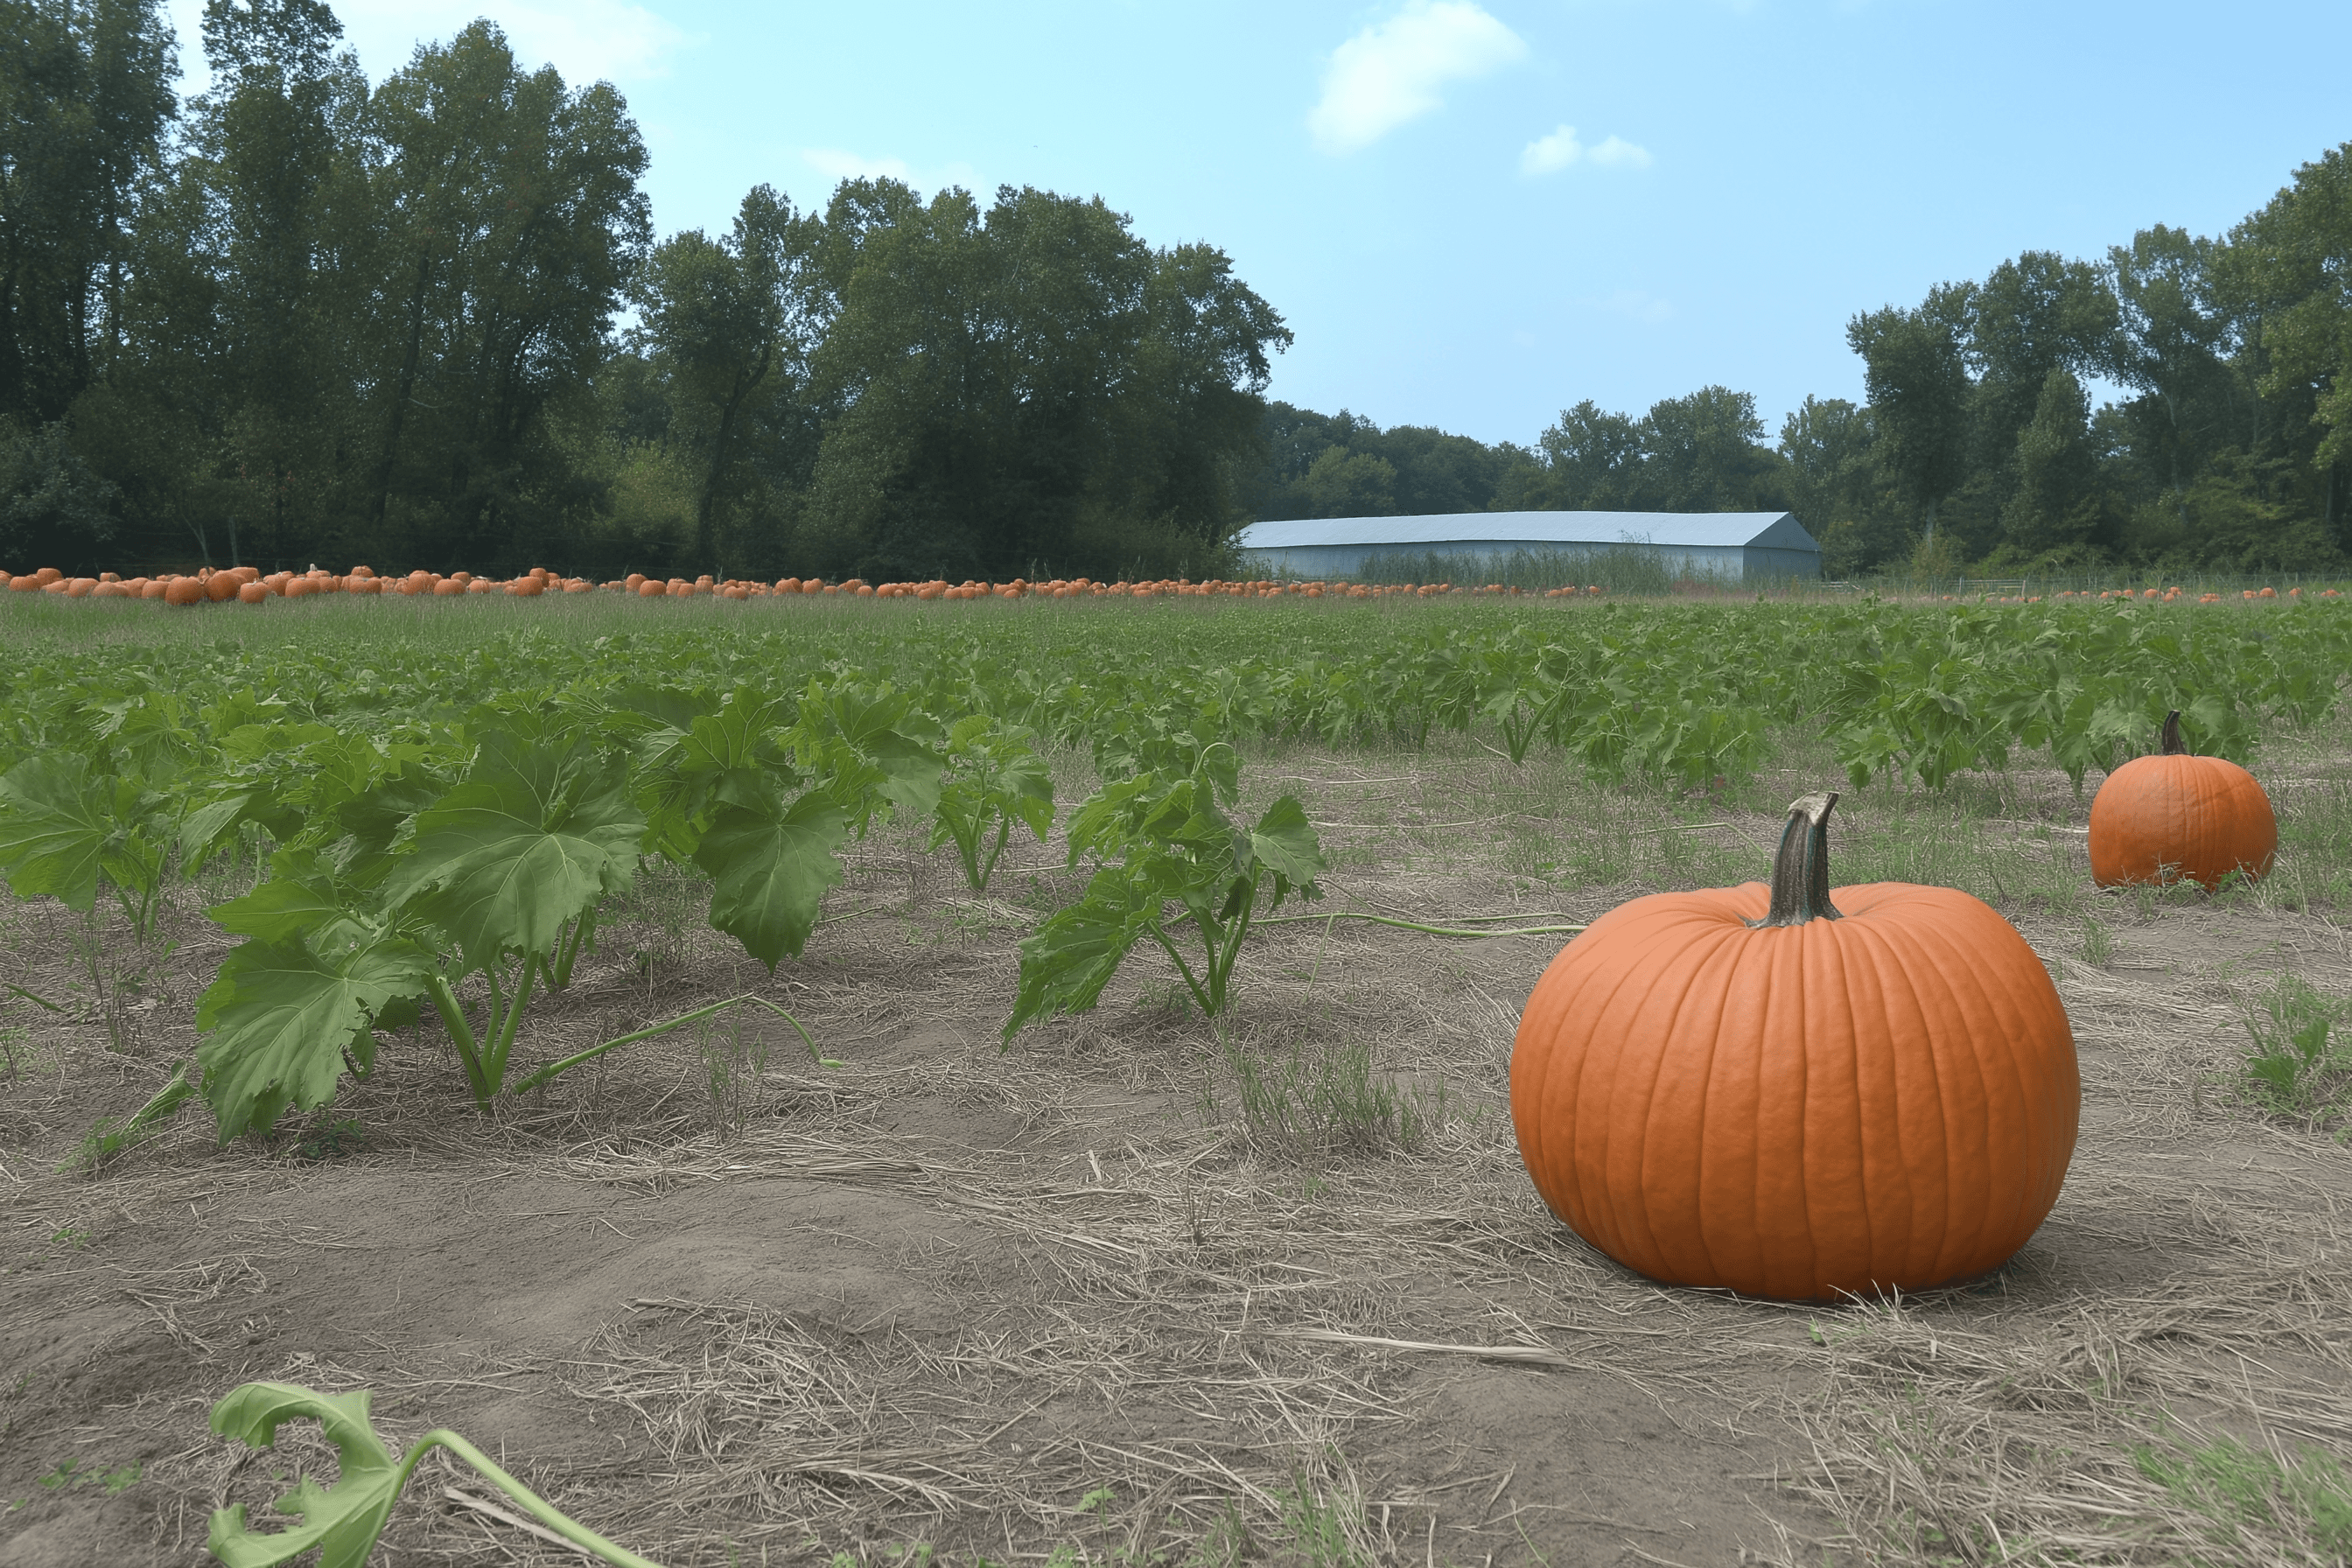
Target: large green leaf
<point>341,1522</point>
<point>54,831</point>
<point>534,836</point>
<point>876,745</point>
<point>746,732</point>
<point>1067,960</point>
<point>1284,841</point>
<point>206,830</point>
<point>772,866</point>
<point>374,818</point>
<point>282,910</point>
<point>277,1018</point>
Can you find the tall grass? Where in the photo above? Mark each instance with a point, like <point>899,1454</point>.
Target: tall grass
<point>1614,571</point>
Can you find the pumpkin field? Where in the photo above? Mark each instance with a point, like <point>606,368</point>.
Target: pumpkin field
<point>818,1081</point>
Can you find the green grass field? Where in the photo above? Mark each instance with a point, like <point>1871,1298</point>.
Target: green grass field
<point>1144,1286</point>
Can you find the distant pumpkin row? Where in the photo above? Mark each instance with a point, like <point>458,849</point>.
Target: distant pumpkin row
<point>246,585</point>
<point>2168,596</point>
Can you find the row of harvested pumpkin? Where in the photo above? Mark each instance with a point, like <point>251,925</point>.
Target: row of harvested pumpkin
<point>1787,1092</point>
<point>250,585</point>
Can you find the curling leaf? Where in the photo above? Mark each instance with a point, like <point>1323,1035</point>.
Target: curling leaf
<point>341,1522</point>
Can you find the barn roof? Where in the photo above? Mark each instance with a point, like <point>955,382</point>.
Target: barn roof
<point>1716,530</point>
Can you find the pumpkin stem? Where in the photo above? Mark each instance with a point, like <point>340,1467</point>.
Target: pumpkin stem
<point>1800,868</point>
<point>2169,743</point>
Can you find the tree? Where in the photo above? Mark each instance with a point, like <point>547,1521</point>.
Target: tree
<point>1828,453</point>
<point>1341,483</point>
<point>729,323</point>
<point>1919,394</point>
<point>506,219</point>
<point>2055,511</point>
<point>1593,459</point>
<point>85,94</point>
<point>1024,385</point>
<point>2033,315</point>
<point>244,300</point>
<point>1701,454</point>
<point>2167,332</point>
<point>2302,246</point>
<point>53,510</point>
<point>1188,422</point>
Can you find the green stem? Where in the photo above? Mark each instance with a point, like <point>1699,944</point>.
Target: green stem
<point>567,952</point>
<point>1160,936</point>
<point>498,1017</point>
<point>1220,977</point>
<point>522,1497</point>
<point>453,1018</point>
<point>1003,836</point>
<point>1416,925</point>
<point>497,1066</point>
<point>967,843</point>
<point>16,990</point>
<point>593,1052</point>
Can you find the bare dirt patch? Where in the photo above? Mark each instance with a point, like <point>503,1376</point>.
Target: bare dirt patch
<point>1148,1289</point>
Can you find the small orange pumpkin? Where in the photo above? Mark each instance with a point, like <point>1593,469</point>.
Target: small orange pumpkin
<point>2173,815</point>
<point>1756,1089</point>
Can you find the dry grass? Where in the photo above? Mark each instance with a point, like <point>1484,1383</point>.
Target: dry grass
<point>1142,1288</point>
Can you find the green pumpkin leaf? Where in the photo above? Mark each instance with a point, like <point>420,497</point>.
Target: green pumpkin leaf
<point>1068,959</point>
<point>205,830</point>
<point>998,780</point>
<point>341,1522</point>
<point>54,833</point>
<point>277,1018</point>
<point>772,866</point>
<point>1283,842</point>
<point>877,747</point>
<point>282,910</point>
<point>534,836</point>
<point>746,732</point>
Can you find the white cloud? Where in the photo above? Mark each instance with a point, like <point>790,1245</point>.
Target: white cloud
<point>1389,73</point>
<point>585,40</point>
<point>836,165</point>
<point>1615,154</point>
<point>1550,154</point>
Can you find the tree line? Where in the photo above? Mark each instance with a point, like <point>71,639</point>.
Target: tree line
<point>2229,446</point>
<point>428,323</point>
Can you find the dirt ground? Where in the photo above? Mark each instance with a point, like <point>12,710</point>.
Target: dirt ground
<point>1146,1290</point>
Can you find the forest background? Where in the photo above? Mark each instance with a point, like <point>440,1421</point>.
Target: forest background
<point>296,317</point>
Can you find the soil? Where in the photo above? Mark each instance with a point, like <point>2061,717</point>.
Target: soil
<point>950,1294</point>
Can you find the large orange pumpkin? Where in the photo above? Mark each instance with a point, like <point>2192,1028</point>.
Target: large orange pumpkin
<point>2173,815</point>
<point>1756,1089</point>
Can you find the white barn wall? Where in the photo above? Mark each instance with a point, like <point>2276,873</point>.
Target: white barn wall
<point>1720,546</point>
<point>1318,560</point>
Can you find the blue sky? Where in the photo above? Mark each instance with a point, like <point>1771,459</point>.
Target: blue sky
<point>1474,213</point>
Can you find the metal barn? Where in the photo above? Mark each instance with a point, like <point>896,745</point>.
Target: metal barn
<point>1722,546</point>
